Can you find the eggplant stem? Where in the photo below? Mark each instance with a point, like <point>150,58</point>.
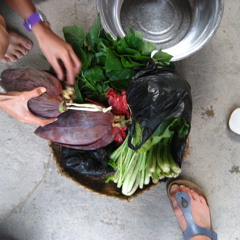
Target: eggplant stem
<point>87,107</point>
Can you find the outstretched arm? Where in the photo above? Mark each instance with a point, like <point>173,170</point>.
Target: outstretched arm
<point>52,46</point>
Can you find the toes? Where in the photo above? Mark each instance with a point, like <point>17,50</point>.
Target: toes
<point>5,60</point>
<point>174,189</point>
<point>182,188</point>
<point>12,57</point>
<point>195,195</point>
<point>18,54</point>
<point>192,194</point>
<point>25,42</point>
<point>202,199</point>
<point>22,49</point>
<point>28,45</point>
<point>177,210</point>
<point>17,39</point>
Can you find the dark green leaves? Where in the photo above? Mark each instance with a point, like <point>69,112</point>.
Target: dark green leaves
<point>73,35</point>
<point>147,48</point>
<point>107,62</point>
<point>93,36</point>
<point>119,79</point>
<point>134,39</point>
<point>94,74</point>
<point>112,61</point>
<point>161,58</point>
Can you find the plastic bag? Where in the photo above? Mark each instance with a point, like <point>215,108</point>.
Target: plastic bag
<point>92,163</point>
<point>155,95</point>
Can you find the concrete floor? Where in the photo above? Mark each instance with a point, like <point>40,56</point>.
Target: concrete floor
<point>37,203</point>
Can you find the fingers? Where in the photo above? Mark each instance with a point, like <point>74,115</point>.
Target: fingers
<point>70,74</point>
<point>57,68</point>
<point>47,121</point>
<point>32,119</point>
<point>35,93</point>
<point>72,65</point>
<point>77,63</point>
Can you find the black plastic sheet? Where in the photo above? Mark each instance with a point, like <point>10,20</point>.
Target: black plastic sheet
<point>92,163</point>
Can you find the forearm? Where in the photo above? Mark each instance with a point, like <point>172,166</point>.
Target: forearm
<point>51,45</point>
<point>24,8</point>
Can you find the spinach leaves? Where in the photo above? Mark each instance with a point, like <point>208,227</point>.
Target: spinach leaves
<point>107,62</point>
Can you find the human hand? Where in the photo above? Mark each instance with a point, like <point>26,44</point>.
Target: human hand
<point>15,104</point>
<point>54,49</point>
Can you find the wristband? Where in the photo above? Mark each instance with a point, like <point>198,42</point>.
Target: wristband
<point>33,19</point>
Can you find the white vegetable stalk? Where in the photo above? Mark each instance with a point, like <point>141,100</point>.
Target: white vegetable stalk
<point>87,107</point>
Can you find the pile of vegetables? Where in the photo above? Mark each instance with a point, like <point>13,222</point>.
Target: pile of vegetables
<point>153,161</point>
<point>109,63</point>
<point>160,105</point>
<point>129,113</point>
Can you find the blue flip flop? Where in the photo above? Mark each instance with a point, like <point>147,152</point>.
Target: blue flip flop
<point>183,201</point>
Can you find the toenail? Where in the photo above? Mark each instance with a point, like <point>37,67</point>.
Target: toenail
<point>29,45</point>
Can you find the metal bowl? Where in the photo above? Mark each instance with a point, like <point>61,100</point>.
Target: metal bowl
<point>179,27</point>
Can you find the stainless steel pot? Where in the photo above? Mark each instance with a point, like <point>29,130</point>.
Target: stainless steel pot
<point>179,27</point>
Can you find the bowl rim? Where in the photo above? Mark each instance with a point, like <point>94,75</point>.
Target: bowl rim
<point>193,49</point>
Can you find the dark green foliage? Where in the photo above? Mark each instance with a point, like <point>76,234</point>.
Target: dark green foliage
<point>108,62</point>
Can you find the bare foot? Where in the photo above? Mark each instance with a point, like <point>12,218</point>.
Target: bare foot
<point>17,48</point>
<point>200,209</point>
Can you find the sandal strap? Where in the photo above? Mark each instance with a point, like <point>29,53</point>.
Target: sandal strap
<point>193,229</point>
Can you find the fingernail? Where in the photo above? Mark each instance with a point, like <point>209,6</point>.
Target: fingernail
<point>43,90</point>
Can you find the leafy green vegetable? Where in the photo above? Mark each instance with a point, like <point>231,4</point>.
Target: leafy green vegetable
<point>112,62</point>
<point>94,74</point>
<point>74,34</point>
<point>153,161</point>
<point>147,48</point>
<point>161,58</point>
<point>107,62</point>
<point>78,97</point>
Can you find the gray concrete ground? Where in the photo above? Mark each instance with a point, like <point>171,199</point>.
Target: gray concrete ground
<point>37,203</point>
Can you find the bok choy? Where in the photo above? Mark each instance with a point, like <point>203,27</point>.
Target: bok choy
<point>152,162</point>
